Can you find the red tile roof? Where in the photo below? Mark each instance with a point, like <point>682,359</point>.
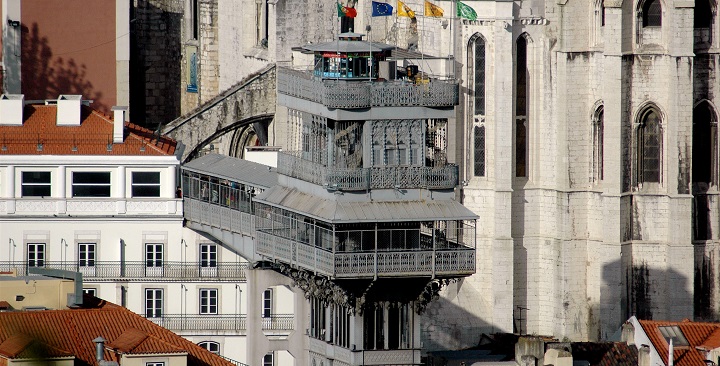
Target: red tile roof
<point>74,330</point>
<point>696,333</point>
<point>91,137</point>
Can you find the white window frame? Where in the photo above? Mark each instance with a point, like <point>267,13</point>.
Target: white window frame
<point>36,254</point>
<point>267,303</point>
<point>133,184</point>
<point>208,301</point>
<point>90,291</point>
<point>269,359</point>
<point>208,255</point>
<point>153,256</point>
<point>87,254</point>
<point>94,184</point>
<point>24,184</point>
<point>154,295</point>
<point>210,344</point>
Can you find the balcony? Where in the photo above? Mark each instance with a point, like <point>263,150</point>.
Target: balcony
<point>282,323</point>
<point>363,94</point>
<point>292,164</point>
<point>370,253</point>
<point>90,206</point>
<point>107,271</point>
<point>219,216</point>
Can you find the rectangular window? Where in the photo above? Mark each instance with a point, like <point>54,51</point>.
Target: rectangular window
<point>35,184</point>
<point>153,255</point>
<point>208,255</point>
<point>153,302</point>
<point>86,254</point>
<point>208,301</point>
<point>194,19</point>
<point>90,291</point>
<point>146,184</point>
<point>91,184</point>
<point>155,364</point>
<point>36,254</point>
<point>267,303</point>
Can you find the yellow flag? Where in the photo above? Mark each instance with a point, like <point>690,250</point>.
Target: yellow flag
<point>404,10</point>
<point>432,10</point>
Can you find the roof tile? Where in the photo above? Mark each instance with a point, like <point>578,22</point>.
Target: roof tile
<point>40,135</point>
<point>75,329</point>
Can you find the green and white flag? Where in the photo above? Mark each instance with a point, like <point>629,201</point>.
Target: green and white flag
<point>464,11</point>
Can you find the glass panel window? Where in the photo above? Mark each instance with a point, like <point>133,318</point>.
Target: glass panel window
<point>208,255</point>
<point>652,13</point>
<point>649,147</point>
<point>267,303</point>
<point>155,364</point>
<point>213,347</point>
<point>36,184</point>
<point>90,291</point>
<point>268,360</point>
<point>479,89</point>
<point>86,254</point>
<point>146,184</point>
<point>153,255</point>
<point>91,184</point>
<point>208,301</point>
<point>479,151</point>
<point>153,302</point>
<point>36,254</point>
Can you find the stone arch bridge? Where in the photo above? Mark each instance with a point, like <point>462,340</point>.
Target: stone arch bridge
<point>244,112</point>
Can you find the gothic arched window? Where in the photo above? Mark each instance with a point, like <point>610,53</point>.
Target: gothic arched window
<point>598,126</point>
<point>705,146</point>
<point>652,13</point>
<point>649,146</point>
<point>476,60</point>
<point>521,106</point>
<point>703,14</point>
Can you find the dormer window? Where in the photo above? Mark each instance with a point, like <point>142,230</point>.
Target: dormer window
<point>652,14</point>
<point>673,332</point>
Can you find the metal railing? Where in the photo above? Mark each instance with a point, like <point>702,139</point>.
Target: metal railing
<point>363,94</point>
<point>291,163</point>
<point>141,271</point>
<point>224,322</point>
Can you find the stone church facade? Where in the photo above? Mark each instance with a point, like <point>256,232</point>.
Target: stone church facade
<point>587,140</point>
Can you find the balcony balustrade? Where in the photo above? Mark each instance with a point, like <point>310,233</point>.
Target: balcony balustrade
<point>369,253</point>
<point>223,322</point>
<point>364,94</point>
<point>292,164</point>
<point>90,206</point>
<point>140,271</point>
<point>216,215</point>
<point>365,357</point>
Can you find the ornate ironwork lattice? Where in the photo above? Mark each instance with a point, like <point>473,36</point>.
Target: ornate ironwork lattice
<point>436,143</point>
<point>397,142</point>
<point>479,89</point>
<point>479,150</point>
<point>348,149</point>
<point>314,138</point>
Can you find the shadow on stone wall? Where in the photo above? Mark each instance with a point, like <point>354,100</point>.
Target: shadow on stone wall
<point>47,76</point>
<point>155,62</point>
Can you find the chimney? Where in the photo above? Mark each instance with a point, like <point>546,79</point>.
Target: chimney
<point>11,109</point>
<point>99,349</point>
<point>68,110</point>
<point>119,124</point>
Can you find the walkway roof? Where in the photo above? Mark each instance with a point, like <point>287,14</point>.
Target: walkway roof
<point>234,169</point>
<point>363,211</point>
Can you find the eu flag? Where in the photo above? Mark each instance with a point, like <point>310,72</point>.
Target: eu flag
<point>381,9</point>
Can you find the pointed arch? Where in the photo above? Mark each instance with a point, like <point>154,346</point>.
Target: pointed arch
<point>705,145</point>
<point>650,13</point>
<point>476,61</point>
<point>704,13</point>
<point>522,78</point>
<point>649,145</point>
<point>598,132</point>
